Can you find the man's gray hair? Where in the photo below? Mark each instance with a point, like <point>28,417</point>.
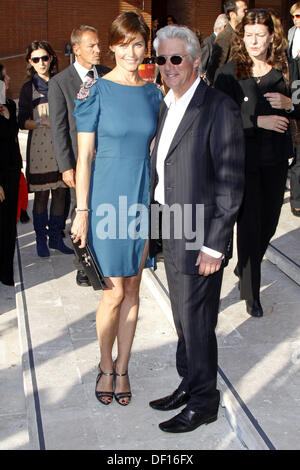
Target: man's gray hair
<point>179,32</point>
<point>220,21</point>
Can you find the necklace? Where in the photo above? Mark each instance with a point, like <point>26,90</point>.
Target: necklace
<point>258,79</point>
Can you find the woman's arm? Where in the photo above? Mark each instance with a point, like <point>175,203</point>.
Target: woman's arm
<point>86,145</point>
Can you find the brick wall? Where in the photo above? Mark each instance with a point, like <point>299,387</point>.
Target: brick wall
<point>198,14</point>
<point>26,20</point>
<point>53,20</point>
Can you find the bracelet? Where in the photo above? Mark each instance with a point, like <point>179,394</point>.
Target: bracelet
<point>83,210</point>
<point>292,108</point>
<point>38,122</point>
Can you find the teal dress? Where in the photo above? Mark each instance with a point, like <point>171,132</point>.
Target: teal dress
<point>124,119</point>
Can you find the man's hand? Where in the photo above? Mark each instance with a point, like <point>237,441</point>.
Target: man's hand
<point>2,195</point>
<point>68,178</point>
<point>4,111</point>
<point>208,264</point>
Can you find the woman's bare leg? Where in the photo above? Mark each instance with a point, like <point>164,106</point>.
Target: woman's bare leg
<point>107,322</point>
<point>127,325</point>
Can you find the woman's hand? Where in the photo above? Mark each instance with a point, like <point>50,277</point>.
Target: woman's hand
<point>45,122</point>
<point>79,228</point>
<point>4,111</point>
<point>273,123</point>
<point>2,195</point>
<point>279,101</point>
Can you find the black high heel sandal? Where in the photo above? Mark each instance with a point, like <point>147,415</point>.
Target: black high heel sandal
<point>100,395</point>
<point>120,396</point>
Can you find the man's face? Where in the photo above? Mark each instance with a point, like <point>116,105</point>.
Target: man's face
<point>241,8</point>
<point>295,19</point>
<point>178,77</point>
<point>88,50</point>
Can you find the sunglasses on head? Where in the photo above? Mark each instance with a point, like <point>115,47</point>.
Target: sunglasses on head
<point>296,16</point>
<point>36,60</point>
<point>257,11</point>
<point>174,59</point>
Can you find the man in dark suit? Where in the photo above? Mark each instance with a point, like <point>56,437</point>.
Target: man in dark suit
<point>235,11</point>
<point>63,89</point>
<point>208,42</point>
<point>294,61</point>
<point>197,163</point>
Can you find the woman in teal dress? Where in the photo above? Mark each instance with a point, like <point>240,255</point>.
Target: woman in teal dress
<point>117,115</point>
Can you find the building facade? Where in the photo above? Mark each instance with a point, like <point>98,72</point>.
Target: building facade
<point>53,20</point>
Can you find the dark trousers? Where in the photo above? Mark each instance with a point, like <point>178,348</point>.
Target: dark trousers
<point>257,222</point>
<point>195,304</point>
<point>295,180</point>
<point>8,229</point>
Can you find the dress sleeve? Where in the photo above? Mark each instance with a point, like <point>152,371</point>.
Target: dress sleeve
<point>87,110</point>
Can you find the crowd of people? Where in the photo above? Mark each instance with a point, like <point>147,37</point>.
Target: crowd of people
<point>221,139</point>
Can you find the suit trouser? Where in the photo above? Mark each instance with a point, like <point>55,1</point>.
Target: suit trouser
<point>195,304</point>
<point>295,180</point>
<point>257,222</point>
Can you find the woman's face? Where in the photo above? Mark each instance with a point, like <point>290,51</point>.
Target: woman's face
<point>257,40</point>
<point>40,61</point>
<point>130,55</point>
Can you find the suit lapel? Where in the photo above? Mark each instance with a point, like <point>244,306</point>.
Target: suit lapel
<point>76,80</point>
<point>191,113</point>
<point>161,120</point>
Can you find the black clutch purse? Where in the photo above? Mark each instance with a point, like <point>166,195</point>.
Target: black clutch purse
<point>89,265</point>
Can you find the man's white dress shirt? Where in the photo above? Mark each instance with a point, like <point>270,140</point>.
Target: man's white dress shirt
<point>296,43</point>
<point>83,72</point>
<point>176,111</point>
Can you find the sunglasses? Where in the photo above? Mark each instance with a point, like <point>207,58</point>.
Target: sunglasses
<point>257,11</point>
<point>44,58</point>
<point>296,16</point>
<point>174,59</point>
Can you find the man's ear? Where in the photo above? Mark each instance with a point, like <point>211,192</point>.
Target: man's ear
<point>197,62</point>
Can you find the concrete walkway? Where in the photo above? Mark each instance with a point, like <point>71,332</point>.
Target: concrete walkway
<point>49,354</point>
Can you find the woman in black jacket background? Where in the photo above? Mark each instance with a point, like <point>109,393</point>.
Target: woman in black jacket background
<point>255,79</point>
<point>10,170</point>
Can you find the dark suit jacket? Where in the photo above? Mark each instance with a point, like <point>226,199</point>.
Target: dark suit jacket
<point>204,165</point>
<point>246,93</point>
<point>220,52</point>
<point>207,51</point>
<point>63,89</point>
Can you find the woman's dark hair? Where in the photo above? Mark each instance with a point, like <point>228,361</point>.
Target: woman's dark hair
<point>2,74</point>
<point>127,25</point>
<point>41,45</point>
<point>276,55</point>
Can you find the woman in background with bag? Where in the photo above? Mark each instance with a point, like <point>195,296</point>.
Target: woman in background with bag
<point>42,170</point>
<point>255,79</point>
<point>10,170</point>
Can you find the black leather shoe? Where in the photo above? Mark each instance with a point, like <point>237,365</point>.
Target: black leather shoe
<point>8,282</point>
<point>254,308</point>
<point>82,279</point>
<point>295,212</point>
<point>171,402</point>
<point>188,420</point>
